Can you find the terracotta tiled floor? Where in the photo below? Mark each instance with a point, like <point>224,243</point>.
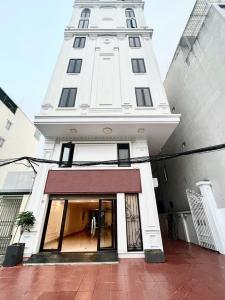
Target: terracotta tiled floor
<point>189,273</point>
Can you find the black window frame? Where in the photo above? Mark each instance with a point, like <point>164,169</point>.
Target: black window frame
<point>86,13</point>
<point>138,62</point>
<point>69,162</point>
<point>134,39</point>
<point>67,100</point>
<point>143,97</point>
<point>75,60</point>
<point>123,162</point>
<point>79,39</point>
<point>130,23</point>
<point>84,21</point>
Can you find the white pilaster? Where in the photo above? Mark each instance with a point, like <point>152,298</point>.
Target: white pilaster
<point>121,225</point>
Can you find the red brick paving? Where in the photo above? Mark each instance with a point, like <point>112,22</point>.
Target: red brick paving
<point>190,273</point>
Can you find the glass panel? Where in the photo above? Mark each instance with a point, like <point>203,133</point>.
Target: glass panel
<point>106,224</point>
<point>77,66</point>
<point>134,23</point>
<point>71,66</point>
<point>147,97</point>
<point>137,42</point>
<point>129,24</point>
<point>135,65</point>
<point>134,236</point>
<point>130,13</point>
<point>51,241</point>
<point>82,42</point>
<point>71,98</point>
<point>77,42</point>
<point>64,96</point>
<point>131,42</point>
<point>141,66</point>
<point>139,97</point>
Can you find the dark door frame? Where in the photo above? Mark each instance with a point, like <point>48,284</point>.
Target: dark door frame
<point>114,226</point>
<point>63,221</point>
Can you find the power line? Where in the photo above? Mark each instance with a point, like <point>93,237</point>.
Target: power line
<point>136,160</point>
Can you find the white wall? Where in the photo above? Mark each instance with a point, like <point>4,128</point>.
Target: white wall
<point>195,88</point>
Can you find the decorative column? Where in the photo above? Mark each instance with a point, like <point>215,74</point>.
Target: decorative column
<point>216,222</point>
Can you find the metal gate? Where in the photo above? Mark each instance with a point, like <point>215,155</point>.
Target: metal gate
<point>200,220</point>
<point>9,208</point>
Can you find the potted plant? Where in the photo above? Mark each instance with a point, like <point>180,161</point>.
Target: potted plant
<point>14,252</point>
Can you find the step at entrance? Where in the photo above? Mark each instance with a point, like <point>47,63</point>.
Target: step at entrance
<point>62,258</point>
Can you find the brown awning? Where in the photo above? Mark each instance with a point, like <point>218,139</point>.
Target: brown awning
<point>93,182</point>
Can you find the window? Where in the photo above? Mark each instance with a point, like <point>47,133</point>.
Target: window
<point>222,6</point>
<point>143,97</point>
<point>130,13</point>
<point>8,125</point>
<point>134,42</point>
<point>85,13</point>
<point>79,42</point>
<point>138,65</point>
<point>131,23</point>
<point>74,66</point>
<point>68,97</point>
<point>83,23</point>
<point>1,142</point>
<point>123,155</point>
<point>66,156</point>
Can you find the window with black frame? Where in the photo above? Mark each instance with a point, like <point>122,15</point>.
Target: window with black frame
<point>68,97</point>
<point>74,66</point>
<point>143,97</point>
<point>79,42</point>
<point>66,156</point>
<point>83,23</point>
<point>134,42</point>
<point>131,23</point>
<point>138,65</point>
<point>123,155</point>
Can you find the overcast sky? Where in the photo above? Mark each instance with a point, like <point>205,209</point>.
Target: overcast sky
<point>31,35</point>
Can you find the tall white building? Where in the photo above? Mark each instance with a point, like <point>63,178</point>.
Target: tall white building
<point>105,102</point>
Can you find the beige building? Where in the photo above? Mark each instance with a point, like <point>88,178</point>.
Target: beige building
<point>18,137</point>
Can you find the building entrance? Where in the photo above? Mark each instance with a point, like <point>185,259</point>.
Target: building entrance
<point>85,225</point>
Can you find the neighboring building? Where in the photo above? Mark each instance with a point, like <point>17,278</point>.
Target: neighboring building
<point>195,88</point>
<point>18,137</point>
<point>105,102</point>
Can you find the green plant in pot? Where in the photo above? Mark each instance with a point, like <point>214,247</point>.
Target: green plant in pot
<point>14,253</point>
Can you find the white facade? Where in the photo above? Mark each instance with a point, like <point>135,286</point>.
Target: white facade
<point>195,88</point>
<point>105,112</point>
<point>19,138</point>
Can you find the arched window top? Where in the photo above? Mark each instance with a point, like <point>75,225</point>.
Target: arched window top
<point>86,12</point>
<point>130,13</point>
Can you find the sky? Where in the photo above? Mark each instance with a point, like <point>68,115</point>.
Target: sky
<point>31,35</point>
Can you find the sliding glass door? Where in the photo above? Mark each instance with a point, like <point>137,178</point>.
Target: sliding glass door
<point>67,223</point>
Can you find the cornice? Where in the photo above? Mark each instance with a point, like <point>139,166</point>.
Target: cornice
<point>72,31</point>
<point>95,3</point>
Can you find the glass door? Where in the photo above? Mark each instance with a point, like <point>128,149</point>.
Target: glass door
<point>54,226</point>
<point>107,225</point>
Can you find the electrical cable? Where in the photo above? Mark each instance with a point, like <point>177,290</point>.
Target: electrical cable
<point>136,160</point>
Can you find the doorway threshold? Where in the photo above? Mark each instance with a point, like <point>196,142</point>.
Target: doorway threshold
<point>73,258</point>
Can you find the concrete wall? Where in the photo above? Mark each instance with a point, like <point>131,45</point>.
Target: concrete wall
<point>195,88</point>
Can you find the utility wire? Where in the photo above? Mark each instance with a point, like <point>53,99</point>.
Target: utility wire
<point>136,160</point>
